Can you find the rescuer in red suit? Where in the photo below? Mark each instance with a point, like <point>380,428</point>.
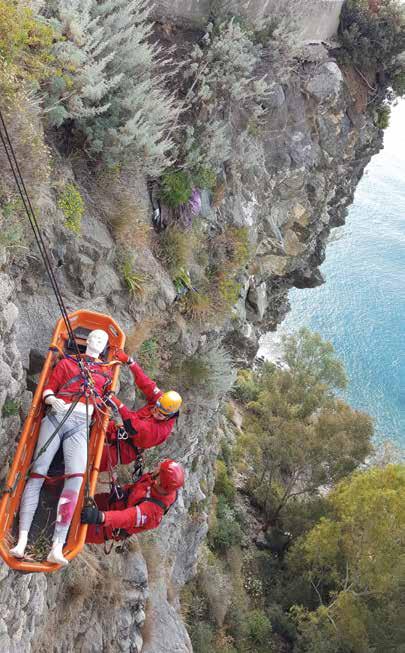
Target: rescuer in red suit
<point>144,428</point>
<point>142,507</point>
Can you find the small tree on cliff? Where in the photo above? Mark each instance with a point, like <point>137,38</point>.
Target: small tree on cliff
<point>373,34</point>
<point>297,436</point>
<point>354,563</point>
<point>224,93</point>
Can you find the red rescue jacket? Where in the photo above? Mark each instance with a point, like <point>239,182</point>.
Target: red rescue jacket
<point>144,431</point>
<point>66,380</point>
<point>137,512</point>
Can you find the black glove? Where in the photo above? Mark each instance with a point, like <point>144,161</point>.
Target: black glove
<point>90,515</point>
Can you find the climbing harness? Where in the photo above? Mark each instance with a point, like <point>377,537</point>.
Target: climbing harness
<point>157,502</point>
<point>122,534</point>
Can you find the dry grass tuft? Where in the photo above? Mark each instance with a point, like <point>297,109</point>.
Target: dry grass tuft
<point>217,587</point>
<point>198,306</point>
<point>219,195</point>
<point>81,577</point>
<point>109,589</point>
<point>122,198</point>
<point>141,332</point>
<point>152,553</point>
<point>147,629</point>
<point>175,248</point>
<point>172,593</point>
<point>131,224</point>
<point>131,545</point>
<point>21,113</point>
<point>91,576</point>
<point>39,549</point>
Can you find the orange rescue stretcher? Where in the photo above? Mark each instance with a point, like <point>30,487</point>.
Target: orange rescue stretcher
<point>82,322</point>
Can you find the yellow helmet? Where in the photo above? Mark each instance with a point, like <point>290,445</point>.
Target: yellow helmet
<point>169,403</point>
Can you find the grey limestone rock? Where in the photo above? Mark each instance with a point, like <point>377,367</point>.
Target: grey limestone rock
<point>327,84</point>
<point>257,301</point>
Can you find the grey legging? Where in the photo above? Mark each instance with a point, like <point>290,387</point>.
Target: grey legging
<point>74,442</point>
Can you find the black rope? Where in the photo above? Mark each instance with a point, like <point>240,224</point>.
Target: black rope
<point>87,499</point>
<point>19,180</point>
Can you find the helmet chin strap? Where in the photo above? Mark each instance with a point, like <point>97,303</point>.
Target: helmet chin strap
<point>163,416</point>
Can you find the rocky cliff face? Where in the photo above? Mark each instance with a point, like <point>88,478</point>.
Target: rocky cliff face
<point>313,151</point>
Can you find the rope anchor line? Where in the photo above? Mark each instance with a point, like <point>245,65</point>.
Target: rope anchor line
<point>25,198</point>
<point>22,190</point>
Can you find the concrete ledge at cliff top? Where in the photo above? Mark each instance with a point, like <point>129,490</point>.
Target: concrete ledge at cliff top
<point>317,19</point>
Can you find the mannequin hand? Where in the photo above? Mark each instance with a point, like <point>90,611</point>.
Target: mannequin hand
<point>57,404</point>
<point>90,515</point>
<point>121,356</point>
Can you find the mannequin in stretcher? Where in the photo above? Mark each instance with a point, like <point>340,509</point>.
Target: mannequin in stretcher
<point>65,385</point>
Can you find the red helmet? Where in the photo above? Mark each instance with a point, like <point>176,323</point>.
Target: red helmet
<point>171,475</point>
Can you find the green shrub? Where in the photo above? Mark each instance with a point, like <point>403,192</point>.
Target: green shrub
<point>258,628</point>
<point>211,370</point>
<point>25,63</point>
<point>246,387</point>
<point>193,372</point>
<point>383,117</point>
<point>25,42</point>
<point>205,178</point>
<point>228,292</point>
<point>175,248</point>
<point>398,83</point>
<point>227,531</point>
<point>149,356</point>
<point>11,407</point>
<point>223,483</point>
<point>230,253</point>
<point>372,37</point>
<point>202,636</point>
<point>11,224</point>
<point>176,188</point>
<point>113,82</point>
<point>71,204</point>
<point>296,428</point>
<point>281,623</point>
<point>231,249</point>
<point>198,306</point>
<point>226,453</point>
<point>221,81</point>
<point>133,280</point>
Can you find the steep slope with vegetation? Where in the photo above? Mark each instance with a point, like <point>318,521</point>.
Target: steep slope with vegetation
<point>305,547</point>
<point>253,144</point>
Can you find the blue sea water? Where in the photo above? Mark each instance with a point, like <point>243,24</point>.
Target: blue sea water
<point>361,308</point>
